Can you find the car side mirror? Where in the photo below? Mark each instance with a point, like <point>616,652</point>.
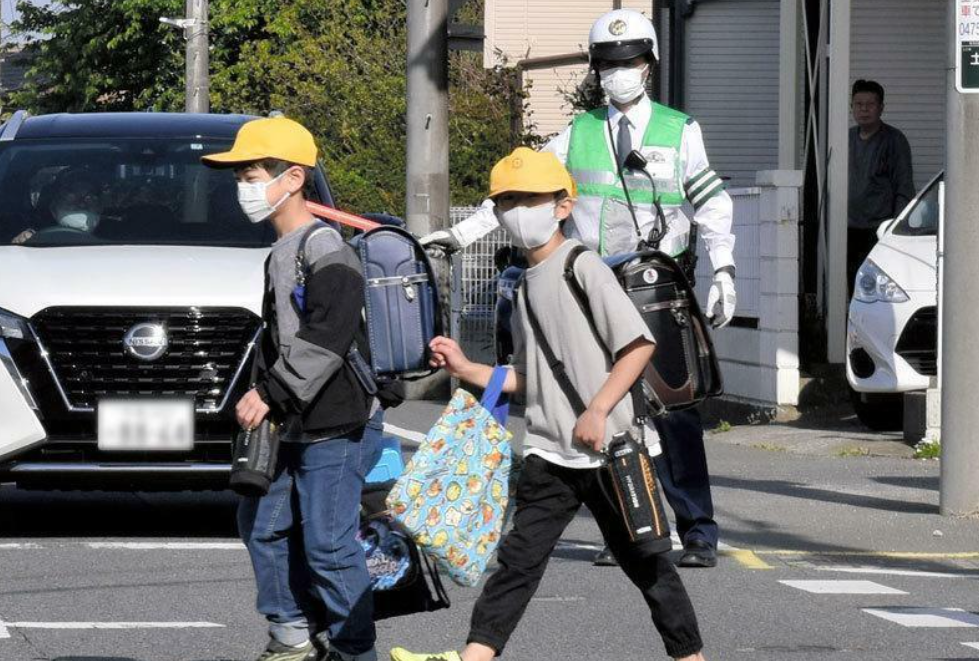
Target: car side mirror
<point>882,228</point>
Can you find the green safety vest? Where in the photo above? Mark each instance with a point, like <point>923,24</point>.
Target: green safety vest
<point>601,210</point>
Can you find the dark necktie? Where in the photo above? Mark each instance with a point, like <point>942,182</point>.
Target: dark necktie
<point>623,146</point>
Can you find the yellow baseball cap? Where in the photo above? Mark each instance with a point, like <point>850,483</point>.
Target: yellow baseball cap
<point>272,137</point>
<point>528,171</point>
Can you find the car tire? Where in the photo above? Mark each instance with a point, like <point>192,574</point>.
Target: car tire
<point>879,411</point>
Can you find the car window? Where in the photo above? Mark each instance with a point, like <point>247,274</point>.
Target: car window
<point>121,191</point>
<point>922,219</point>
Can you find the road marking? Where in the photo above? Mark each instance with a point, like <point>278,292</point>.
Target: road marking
<point>747,558</point>
<point>6,626</point>
<point>12,545</point>
<point>415,437</point>
<point>896,572</point>
<point>166,546</point>
<point>842,587</point>
<point>894,555</point>
<point>974,646</point>
<point>936,618</point>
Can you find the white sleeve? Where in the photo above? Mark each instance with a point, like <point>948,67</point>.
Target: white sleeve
<point>476,226</point>
<point>713,208</point>
<point>484,221</point>
<point>559,145</point>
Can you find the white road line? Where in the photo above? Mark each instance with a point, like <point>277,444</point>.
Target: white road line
<point>19,546</point>
<point>896,572</point>
<point>413,436</point>
<point>113,625</point>
<point>4,633</point>
<point>841,587</point>
<point>166,546</point>
<point>936,618</point>
<point>974,646</point>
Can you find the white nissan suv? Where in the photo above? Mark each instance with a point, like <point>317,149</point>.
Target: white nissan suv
<point>130,300</point>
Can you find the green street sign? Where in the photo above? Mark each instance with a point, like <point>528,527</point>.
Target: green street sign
<point>967,37</point>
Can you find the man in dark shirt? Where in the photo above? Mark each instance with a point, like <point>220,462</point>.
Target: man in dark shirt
<point>881,181</point>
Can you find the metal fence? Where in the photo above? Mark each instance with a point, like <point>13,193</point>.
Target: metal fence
<point>473,300</point>
<point>474,276</point>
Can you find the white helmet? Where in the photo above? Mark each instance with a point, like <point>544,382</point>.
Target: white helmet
<point>622,34</point>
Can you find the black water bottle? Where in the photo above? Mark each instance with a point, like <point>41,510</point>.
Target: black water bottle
<point>254,459</point>
<point>637,494</point>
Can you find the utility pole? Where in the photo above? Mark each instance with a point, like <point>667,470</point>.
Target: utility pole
<point>198,79</point>
<point>960,351</point>
<point>428,116</point>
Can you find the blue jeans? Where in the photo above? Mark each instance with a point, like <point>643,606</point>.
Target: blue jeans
<point>301,536</point>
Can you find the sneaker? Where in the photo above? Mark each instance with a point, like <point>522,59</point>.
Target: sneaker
<point>698,553</point>
<point>276,651</point>
<point>605,559</point>
<point>401,654</point>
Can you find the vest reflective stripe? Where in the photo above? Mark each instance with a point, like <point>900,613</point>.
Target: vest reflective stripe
<point>590,163</point>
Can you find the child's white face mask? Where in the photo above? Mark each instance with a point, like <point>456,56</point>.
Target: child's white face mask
<point>254,199</point>
<point>530,227</point>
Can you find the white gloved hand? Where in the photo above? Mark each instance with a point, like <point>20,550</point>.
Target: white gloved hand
<point>722,300</point>
<point>443,238</point>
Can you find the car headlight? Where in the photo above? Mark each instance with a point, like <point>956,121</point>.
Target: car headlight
<point>13,327</point>
<point>874,285</point>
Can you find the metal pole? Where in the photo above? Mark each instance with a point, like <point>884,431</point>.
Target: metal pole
<point>428,116</point>
<point>427,163</point>
<point>960,351</point>
<point>198,83</point>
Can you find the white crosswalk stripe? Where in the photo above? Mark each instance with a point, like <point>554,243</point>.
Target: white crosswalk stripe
<point>946,618</point>
<point>842,587</point>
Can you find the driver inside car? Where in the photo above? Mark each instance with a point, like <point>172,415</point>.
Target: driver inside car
<point>72,202</point>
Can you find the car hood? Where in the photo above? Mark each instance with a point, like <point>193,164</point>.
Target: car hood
<point>32,279</point>
<point>909,260</point>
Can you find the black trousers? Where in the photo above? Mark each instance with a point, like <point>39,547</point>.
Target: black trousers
<point>548,497</point>
<point>683,474</point>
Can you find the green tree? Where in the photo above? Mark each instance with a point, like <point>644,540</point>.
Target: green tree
<point>338,66</point>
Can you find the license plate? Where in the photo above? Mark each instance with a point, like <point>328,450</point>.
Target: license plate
<point>133,425</point>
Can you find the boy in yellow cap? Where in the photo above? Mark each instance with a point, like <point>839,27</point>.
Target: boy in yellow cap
<point>533,194</point>
<point>301,535</point>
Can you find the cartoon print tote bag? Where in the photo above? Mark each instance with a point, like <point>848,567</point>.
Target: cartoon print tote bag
<point>454,492</point>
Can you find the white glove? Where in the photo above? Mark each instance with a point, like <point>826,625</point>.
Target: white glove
<point>444,238</point>
<point>722,300</point>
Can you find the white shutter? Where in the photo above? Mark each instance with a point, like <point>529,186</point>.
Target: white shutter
<point>732,58</point>
<point>902,45</point>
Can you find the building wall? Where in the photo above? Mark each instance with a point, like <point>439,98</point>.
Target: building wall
<point>520,29</point>
<point>732,60</point>
<point>911,67</point>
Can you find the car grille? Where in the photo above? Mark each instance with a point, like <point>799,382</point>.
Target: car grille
<point>207,347</point>
<point>918,344</point>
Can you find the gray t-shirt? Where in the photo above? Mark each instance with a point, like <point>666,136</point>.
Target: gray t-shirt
<point>881,180</point>
<point>550,418</point>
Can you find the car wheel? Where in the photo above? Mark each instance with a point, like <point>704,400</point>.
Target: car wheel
<point>879,411</point>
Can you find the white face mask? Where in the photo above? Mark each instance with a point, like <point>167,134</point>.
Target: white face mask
<point>530,227</point>
<point>624,84</point>
<point>79,220</point>
<point>254,200</point>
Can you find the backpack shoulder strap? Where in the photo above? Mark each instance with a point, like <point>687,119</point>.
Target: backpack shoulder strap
<point>302,259</point>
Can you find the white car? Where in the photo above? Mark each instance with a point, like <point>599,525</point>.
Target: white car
<point>130,298</point>
<point>892,329</point>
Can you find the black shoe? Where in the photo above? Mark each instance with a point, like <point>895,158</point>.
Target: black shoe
<point>605,559</point>
<point>698,553</point>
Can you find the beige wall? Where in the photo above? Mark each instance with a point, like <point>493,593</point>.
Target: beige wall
<point>522,29</point>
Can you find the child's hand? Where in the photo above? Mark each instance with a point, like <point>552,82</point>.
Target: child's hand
<point>590,429</point>
<point>448,355</point>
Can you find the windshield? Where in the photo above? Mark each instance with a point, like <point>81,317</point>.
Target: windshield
<point>121,191</point>
<point>922,219</point>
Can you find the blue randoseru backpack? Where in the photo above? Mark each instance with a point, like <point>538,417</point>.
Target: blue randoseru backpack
<point>401,309</point>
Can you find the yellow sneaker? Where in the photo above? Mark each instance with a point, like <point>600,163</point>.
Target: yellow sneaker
<point>401,654</point>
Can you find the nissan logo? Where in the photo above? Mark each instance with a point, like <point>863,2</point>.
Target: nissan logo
<point>146,341</point>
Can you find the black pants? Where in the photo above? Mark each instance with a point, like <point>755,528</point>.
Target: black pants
<point>682,471</point>
<point>548,497</point>
<point>859,243</point>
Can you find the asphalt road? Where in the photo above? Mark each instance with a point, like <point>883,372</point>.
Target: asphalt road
<point>79,571</point>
